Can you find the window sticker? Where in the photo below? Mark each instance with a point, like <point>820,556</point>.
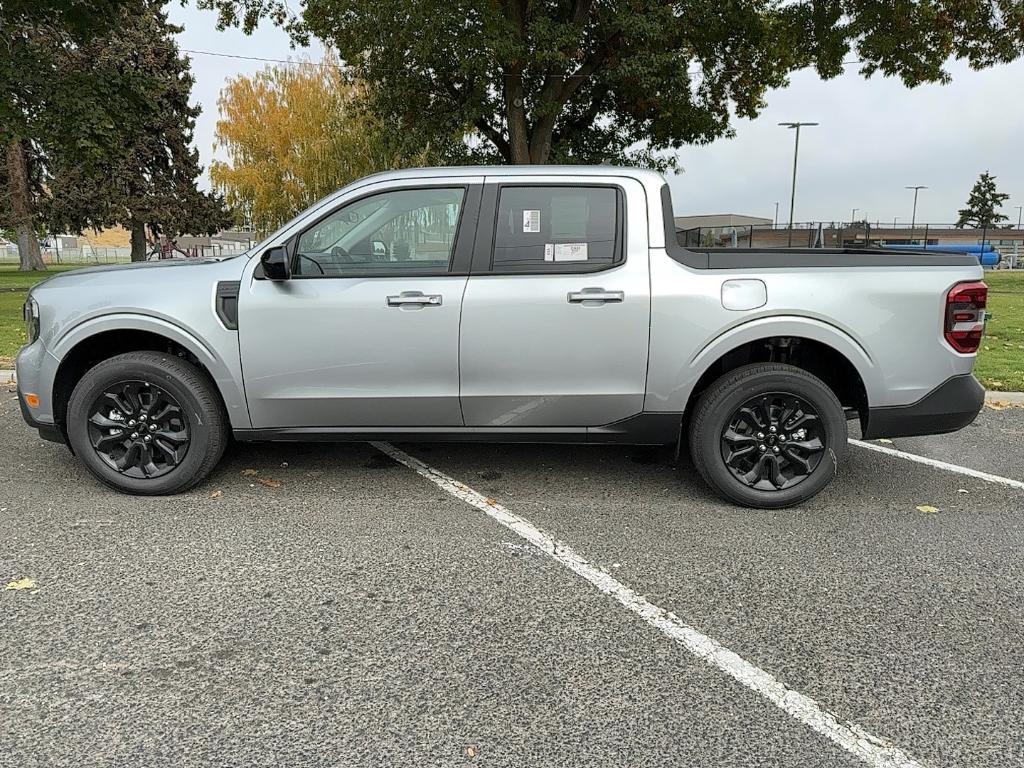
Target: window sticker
<point>549,252</point>
<point>531,221</point>
<point>569,252</point>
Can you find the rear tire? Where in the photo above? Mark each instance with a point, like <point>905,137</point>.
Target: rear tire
<point>768,435</point>
<point>147,423</point>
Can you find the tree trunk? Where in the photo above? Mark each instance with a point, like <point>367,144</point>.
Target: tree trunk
<point>515,113</point>
<point>20,197</point>
<point>138,241</point>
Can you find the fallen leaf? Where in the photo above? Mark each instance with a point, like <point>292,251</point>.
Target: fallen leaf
<point>884,440</point>
<point>269,482</point>
<point>927,508</point>
<point>470,751</point>
<point>250,472</point>
<point>491,502</point>
<point>25,583</point>
<point>216,494</point>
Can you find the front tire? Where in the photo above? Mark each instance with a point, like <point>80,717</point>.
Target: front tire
<point>147,423</point>
<point>768,435</point>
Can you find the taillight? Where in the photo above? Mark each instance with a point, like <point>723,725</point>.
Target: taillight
<point>965,315</point>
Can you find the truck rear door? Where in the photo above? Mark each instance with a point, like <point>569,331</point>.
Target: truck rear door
<point>556,313</point>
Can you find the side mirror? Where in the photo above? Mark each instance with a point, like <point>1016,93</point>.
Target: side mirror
<point>276,264</point>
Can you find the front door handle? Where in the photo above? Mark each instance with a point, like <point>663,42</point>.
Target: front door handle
<point>414,299</point>
<point>595,295</point>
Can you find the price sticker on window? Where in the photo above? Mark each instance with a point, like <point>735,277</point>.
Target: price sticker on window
<point>570,252</point>
<point>531,221</point>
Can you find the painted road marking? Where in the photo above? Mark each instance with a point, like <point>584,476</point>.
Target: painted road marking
<point>874,751</point>
<point>939,464</point>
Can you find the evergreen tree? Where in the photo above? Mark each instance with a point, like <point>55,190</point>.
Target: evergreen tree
<point>151,179</point>
<point>982,204</point>
<point>54,95</point>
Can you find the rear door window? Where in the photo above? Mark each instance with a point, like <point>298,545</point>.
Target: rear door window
<point>557,229</point>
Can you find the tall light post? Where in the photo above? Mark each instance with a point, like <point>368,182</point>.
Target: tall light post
<point>1019,209</point>
<point>777,215</point>
<point>796,154</point>
<point>913,218</point>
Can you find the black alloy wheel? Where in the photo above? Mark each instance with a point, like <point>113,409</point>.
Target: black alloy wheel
<point>773,441</point>
<point>768,435</point>
<point>138,429</point>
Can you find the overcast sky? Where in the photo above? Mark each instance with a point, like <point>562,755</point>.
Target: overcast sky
<point>875,137</point>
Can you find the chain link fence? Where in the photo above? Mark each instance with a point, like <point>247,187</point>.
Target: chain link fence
<point>89,254</point>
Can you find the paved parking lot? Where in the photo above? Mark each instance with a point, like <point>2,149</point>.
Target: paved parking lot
<point>326,605</point>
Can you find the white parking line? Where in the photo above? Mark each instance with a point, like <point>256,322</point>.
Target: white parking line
<point>939,464</point>
<point>874,751</point>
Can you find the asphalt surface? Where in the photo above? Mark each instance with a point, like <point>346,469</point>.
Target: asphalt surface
<point>350,613</point>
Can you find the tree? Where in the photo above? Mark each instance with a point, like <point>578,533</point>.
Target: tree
<point>982,204</point>
<point>293,134</point>
<point>583,81</point>
<point>150,179</point>
<point>52,94</point>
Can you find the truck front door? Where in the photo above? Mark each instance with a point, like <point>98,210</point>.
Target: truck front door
<point>365,333</point>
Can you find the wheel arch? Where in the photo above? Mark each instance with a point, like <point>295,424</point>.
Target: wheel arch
<point>811,345</point>
<point>102,338</point>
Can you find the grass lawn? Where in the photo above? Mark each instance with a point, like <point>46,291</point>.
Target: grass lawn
<point>13,287</point>
<point>1000,361</point>
<point>1001,358</point>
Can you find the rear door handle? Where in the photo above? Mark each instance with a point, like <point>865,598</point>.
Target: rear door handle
<point>414,299</point>
<point>595,295</point>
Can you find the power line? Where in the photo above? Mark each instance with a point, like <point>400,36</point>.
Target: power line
<point>294,63</point>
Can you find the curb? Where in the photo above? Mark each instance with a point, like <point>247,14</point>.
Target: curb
<point>998,398</point>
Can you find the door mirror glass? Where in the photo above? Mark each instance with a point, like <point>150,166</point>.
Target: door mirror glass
<point>275,263</point>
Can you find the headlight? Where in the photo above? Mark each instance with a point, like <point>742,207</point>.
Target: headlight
<point>31,311</point>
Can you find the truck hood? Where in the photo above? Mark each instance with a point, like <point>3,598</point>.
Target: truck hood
<point>171,264</point>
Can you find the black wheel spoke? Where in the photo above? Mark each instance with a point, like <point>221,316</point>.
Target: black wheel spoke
<point>106,442</point>
<point>103,422</point>
<point>752,418</point>
<point>732,436</point>
<point>138,429</point>
<point>178,437</point>
<point>733,455</point>
<point>796,458</point>
<point>773,441</point>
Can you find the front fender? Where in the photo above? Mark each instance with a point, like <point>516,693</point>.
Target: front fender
<point>220,368</point>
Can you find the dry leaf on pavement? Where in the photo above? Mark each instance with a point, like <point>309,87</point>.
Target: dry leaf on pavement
<point>269,482</point>
<point>216,494</point>
<point>250,472</point>
<point>25,583</point>
<point>927,508</point>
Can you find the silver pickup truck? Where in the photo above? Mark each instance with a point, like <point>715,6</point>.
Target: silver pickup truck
<point>517,304</point>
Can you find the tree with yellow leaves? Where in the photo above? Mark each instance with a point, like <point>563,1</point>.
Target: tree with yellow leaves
<point>294,133</point>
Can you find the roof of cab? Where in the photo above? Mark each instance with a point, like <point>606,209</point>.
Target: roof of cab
<point>642,175</point>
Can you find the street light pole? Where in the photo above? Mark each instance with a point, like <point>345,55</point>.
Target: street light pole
<point>796,154</point>
<point>913,217</point>
<point>777,215</point>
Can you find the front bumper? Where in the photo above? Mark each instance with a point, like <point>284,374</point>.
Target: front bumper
<point>950,406</point>
<point>49,432</point>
